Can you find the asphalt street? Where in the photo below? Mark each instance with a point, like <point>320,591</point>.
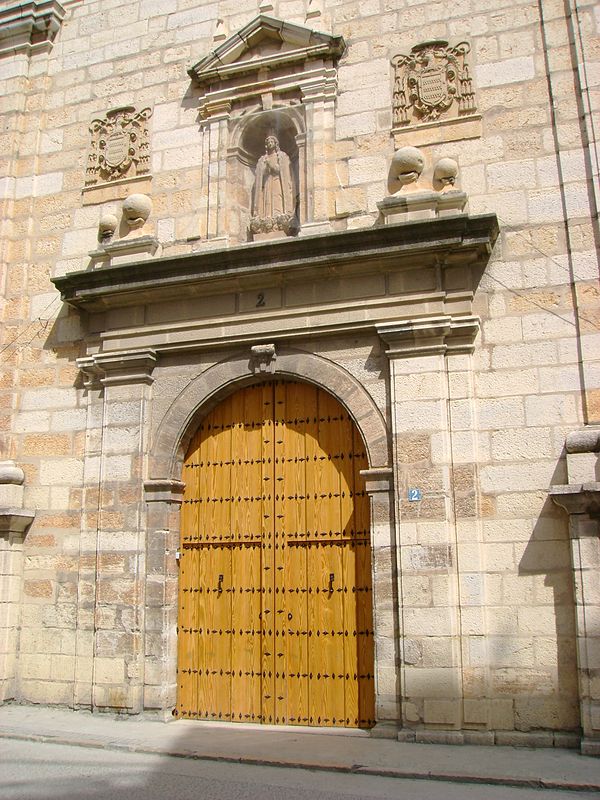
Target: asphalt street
<point>35,770</point>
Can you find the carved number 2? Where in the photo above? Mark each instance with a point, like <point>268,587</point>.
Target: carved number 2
<point>260,300</point>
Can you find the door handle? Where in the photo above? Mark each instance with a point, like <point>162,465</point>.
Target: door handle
<point>331,580</point>
<point>220,585</point>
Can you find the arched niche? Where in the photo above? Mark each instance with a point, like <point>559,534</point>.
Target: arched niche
<point>247,136</point>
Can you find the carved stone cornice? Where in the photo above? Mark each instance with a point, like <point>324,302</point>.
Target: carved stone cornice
<point>29,27</point>
<point>428,336</point>
<point>236,71</point>
<point>227,61</point>
<point>446,242</point>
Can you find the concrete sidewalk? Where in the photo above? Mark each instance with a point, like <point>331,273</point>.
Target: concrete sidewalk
<point>547,768</point>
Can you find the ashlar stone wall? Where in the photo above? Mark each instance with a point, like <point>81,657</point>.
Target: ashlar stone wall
<point>485,628</point>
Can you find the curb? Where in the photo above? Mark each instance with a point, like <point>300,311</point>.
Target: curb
<point>355,769</point>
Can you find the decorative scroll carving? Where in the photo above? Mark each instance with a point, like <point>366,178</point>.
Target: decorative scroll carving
<point>433,81</point>
<point>119,145</point>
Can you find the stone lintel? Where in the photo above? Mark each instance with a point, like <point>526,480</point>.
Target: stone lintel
<point>164,491</point>
<point>108,369</point>
<point>378,479</point>
<point>423,337</point>
<point>583,498</point>
<point>15,520</point>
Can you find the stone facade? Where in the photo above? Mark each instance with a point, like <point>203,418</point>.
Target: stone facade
<point>463,339</point>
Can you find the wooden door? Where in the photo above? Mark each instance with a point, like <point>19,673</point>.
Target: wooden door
<point>275,621</point>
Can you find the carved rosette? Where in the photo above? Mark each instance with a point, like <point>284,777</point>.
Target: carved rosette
<point>119,145</point>
<point>432,82</point>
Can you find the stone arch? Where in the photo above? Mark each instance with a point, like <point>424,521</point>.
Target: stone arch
<point>206,390</point>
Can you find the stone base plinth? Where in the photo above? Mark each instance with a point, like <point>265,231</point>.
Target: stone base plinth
<point>421,205</point>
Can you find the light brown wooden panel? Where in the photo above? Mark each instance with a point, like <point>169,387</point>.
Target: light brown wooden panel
<point>275,620</point>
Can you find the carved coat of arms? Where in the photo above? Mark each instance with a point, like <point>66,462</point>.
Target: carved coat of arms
<point>433,80</point>
<point>119,145</point>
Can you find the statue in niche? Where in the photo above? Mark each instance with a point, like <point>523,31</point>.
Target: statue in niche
<point>273,195</point>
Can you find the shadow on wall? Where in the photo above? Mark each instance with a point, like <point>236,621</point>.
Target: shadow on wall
<point>549,695</point>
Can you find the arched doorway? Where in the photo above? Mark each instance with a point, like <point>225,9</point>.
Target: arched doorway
<point>275,605</point>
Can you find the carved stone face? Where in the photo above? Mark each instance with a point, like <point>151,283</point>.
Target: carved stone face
<point>271,143</point>
<point>407,165</point>
<point>136,210</point>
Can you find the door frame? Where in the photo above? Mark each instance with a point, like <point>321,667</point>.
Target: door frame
<point>164,492</point>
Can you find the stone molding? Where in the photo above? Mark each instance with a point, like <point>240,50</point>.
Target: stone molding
<point>422,337</point>
<point>110,369</point>
<point>29,27</point>
<point>14,519</point>
<point>227,63</point>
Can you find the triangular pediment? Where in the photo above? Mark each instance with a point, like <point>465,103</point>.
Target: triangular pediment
<point>265,43</point>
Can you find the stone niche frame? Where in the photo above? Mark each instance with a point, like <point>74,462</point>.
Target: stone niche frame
<point>269,75</point>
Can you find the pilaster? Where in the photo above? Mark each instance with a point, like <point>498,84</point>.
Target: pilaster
<point>379,485</point>
<point>428,587</point>
<point>111,646</point>
<point>581,499</point>
<point>163,500</point>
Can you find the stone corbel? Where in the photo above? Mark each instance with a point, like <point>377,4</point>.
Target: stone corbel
<point>422,337</point>
<point>90,371</point>
<point>263,358</point>
<point>110,369</point>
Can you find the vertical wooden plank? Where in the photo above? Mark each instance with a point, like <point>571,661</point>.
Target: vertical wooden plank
<point>246,555</point>
<point>268,554</point>
<point>364,609</point>
<point>291,613</point>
